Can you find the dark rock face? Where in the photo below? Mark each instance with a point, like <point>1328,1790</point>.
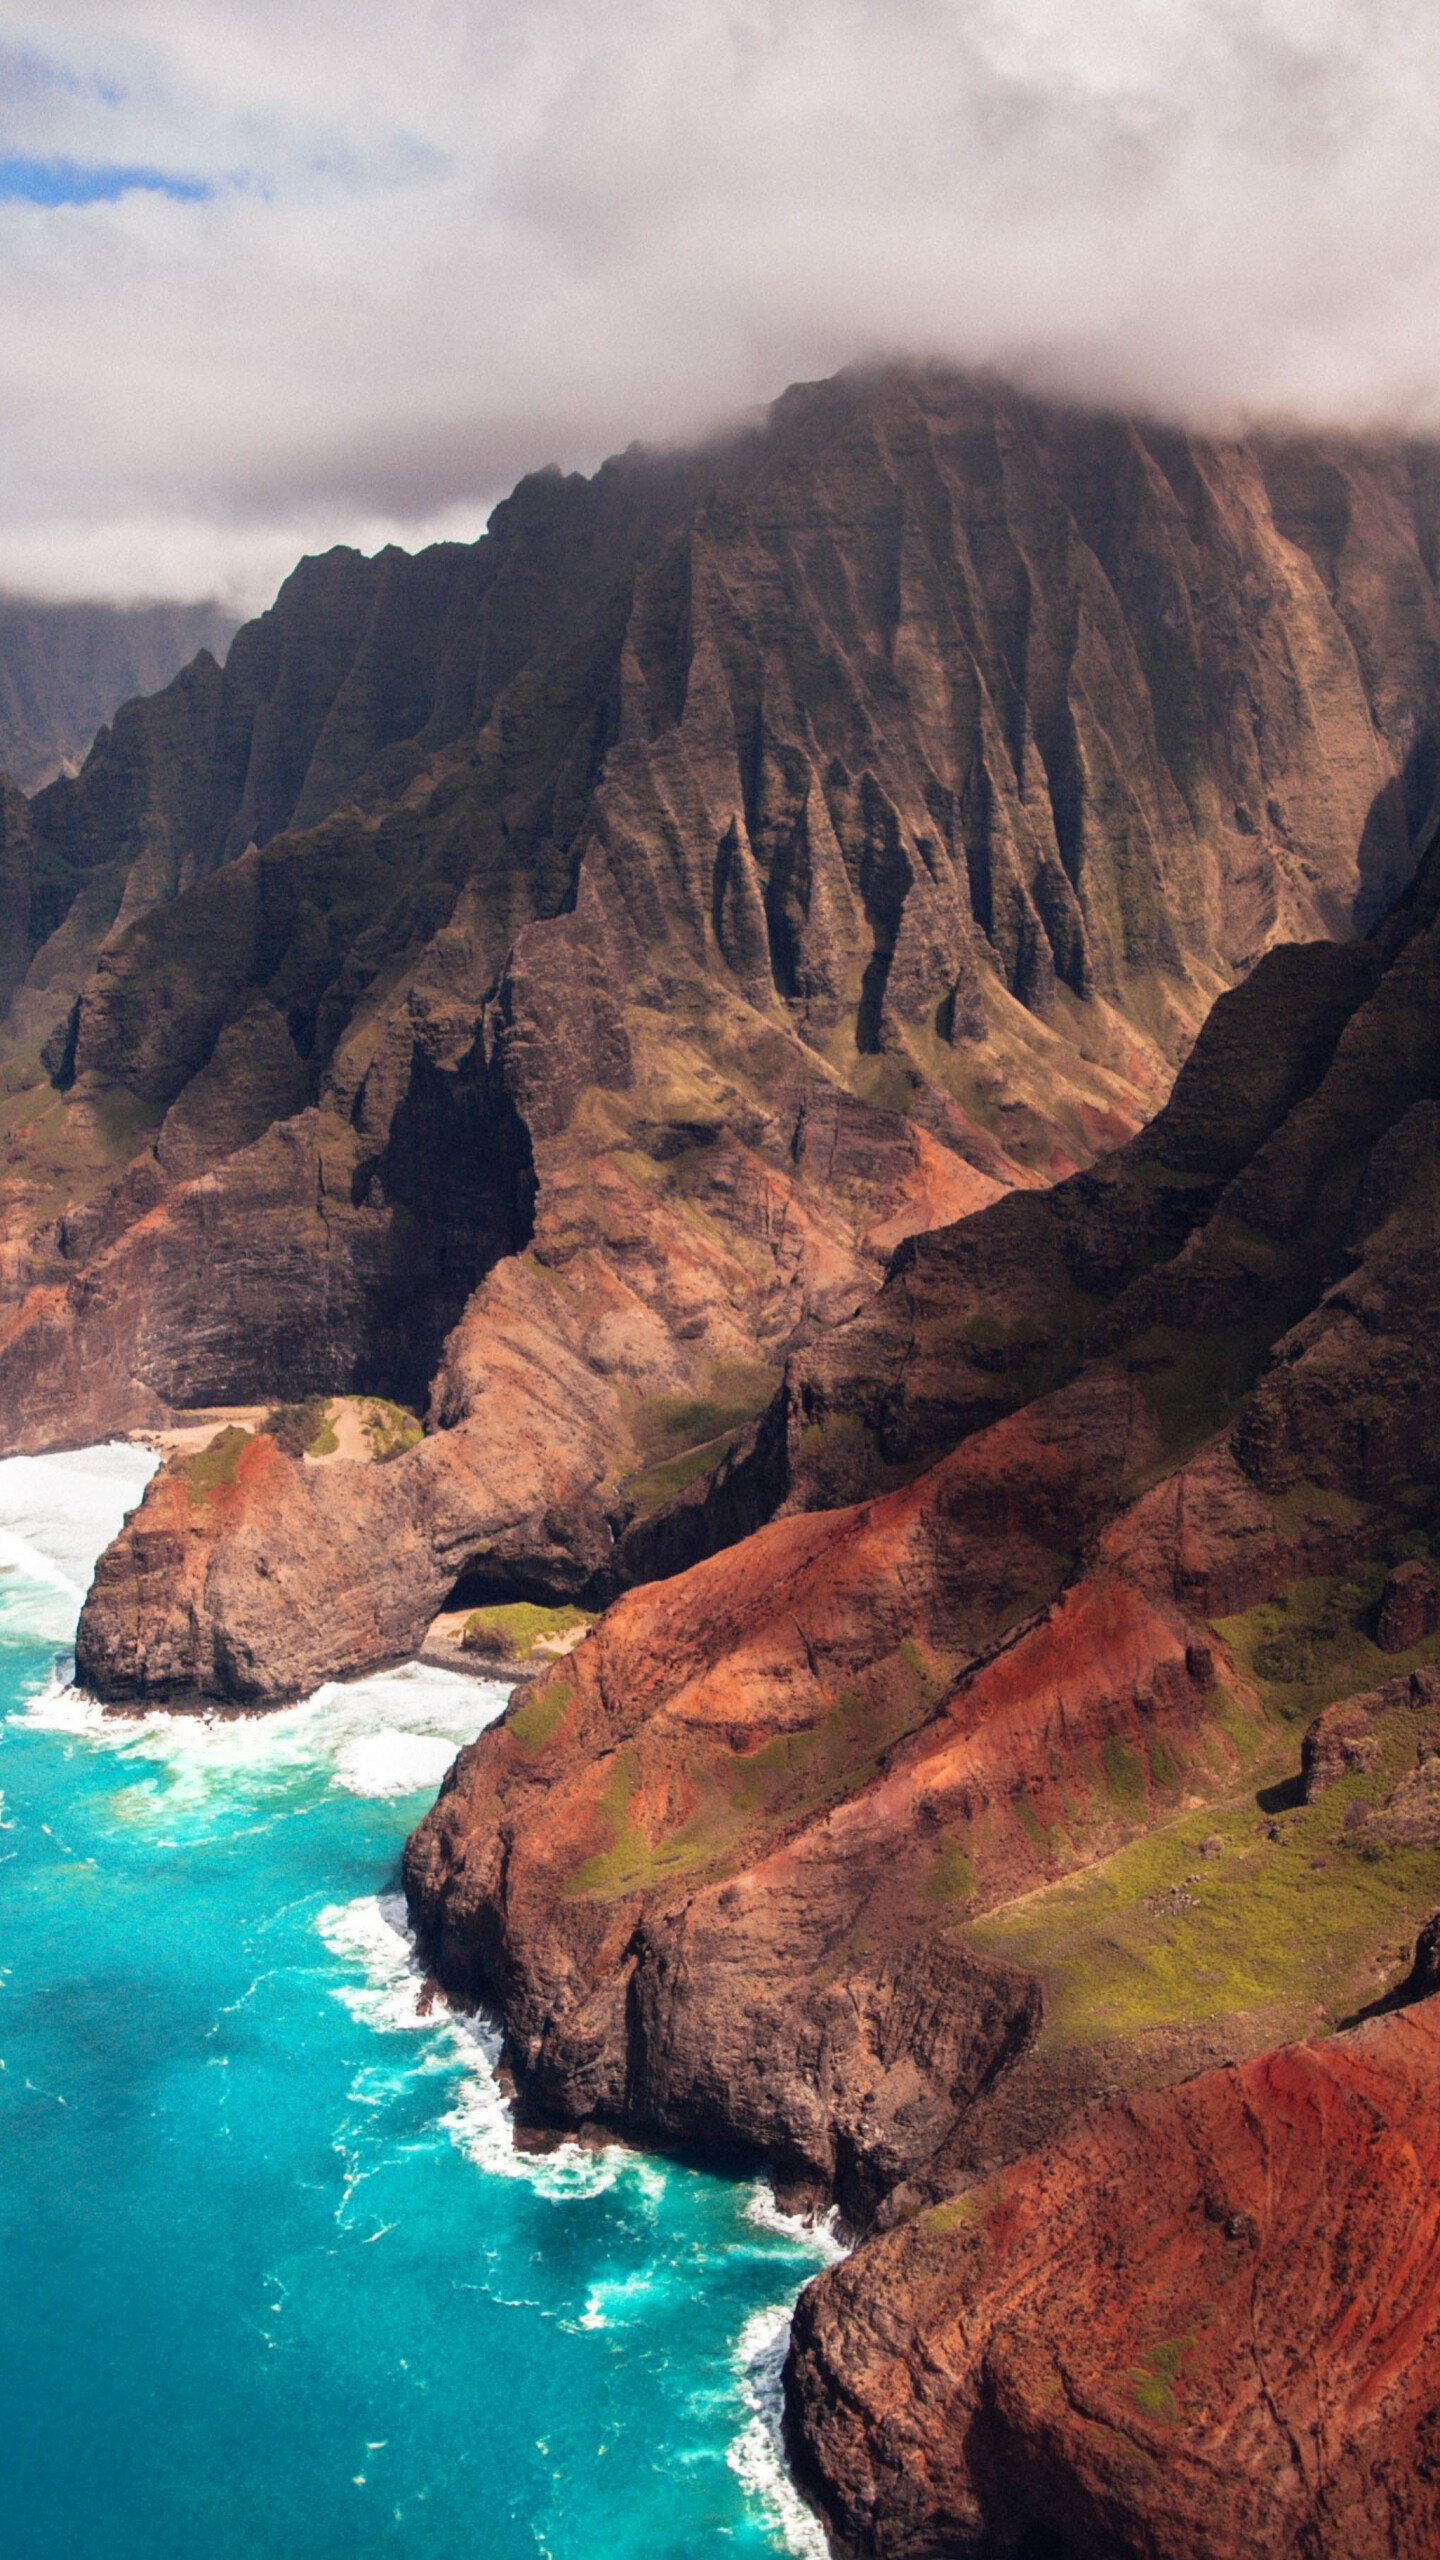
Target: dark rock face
<point>730,867</point>
<point>66,668</point>
<point>1206,2322</point>
<point>1338,1743</point>
<point>804,1759</point>
<point>1424,1977</point>
<point>1409,1607</point>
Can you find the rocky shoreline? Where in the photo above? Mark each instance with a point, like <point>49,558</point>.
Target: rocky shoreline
<point>752,1098</point>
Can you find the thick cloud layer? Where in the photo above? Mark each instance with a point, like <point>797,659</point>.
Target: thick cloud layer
<point>346,270</point>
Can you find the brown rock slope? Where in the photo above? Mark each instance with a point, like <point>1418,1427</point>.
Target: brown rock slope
<point>1206,2323</point>
<point>64,669</point>
<point>542,981</point>
<point>755,1861</point>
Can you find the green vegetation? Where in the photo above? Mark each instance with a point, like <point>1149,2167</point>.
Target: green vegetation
<point>739,1389</point>
<point>794,1773</point>
<point>1313,1644</point>
<point>631,1863</point>
<point>539,1715</point>
<point>1283,1910</point>
<point>791,1775</point>
<point>214,1466</point>
<point>122,1120</point>
<point>391,1429</point>
<point>680,1437</point>
<point>511,1629</point>
<point>1124,1776</point>
<point>302,1429</point>
<point>1152,2383</point>
<point>962,2212</point>
<point>655,1485</point>
<point>1193,1381</point>
<point>840,1434</point>
<point>952,1878</point>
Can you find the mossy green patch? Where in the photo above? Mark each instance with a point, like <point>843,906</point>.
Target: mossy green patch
<point>391,1429</point>
<point>1030,1822</point>
<point>1269,1912</point>
<point>302,1429</point>
<point>663,1426</point>
<point>1164,1772</point>
<point>1152,2381</point>
<point>1124,1777</point>
<point>213,1467</point>
<point>122,1121</point>
<point>512,1629</point>
<point>532,1723</point>
<point>1314,1643</point>
<point>656,1485</point>
<point>959,2213</point>
<point>1193,1381</point>
<point>789,1776</point>
<point>794,1773</point>
<point>633,1863</point>
<point>951,1877</point>
<point>680,1437</point>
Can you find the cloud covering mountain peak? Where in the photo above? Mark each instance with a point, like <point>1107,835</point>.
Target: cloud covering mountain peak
<point>278,276</point>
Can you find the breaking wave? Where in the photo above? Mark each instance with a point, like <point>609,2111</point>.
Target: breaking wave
<point>391,1735</point>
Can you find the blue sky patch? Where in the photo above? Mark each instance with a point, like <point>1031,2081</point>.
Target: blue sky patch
<point>91,182</point>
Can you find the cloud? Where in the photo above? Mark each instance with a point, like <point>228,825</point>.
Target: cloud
<point>360,267</point>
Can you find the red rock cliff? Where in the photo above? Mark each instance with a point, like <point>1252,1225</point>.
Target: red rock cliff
<point>1205,2324</point>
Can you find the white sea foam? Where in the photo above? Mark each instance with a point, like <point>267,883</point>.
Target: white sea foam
<point>757,2456</point>
<point>56,1515</point>
<point>372,1934</point>
<point>394,1734</point>
<point>63,1509</point>
<point>808,2231</point>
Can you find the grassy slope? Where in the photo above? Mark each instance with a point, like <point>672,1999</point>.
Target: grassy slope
<point>1259,1899</point>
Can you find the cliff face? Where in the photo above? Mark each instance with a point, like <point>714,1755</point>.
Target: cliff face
<point>65,669</point>
<point>561,980</point>
<point>595,950</point>
<point>1236,2348</point>
<point>724,1866</point>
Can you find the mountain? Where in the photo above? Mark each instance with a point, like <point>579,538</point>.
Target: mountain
<point>1101,1751</point>
<point>804,1846</point>
<point>542,982</point>
<point>1237,2349</point>
<point>856,1015</point>
<point>65,669</point>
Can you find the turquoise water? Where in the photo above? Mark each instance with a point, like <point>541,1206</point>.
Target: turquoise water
<point>273,2283</point>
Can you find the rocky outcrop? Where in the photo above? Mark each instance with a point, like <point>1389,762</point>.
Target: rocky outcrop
<point>1338,1743</point>
<point>1205,2322</point>
<point>66,668</point>
<point>732,866</point>
<point>1409,1607</point>
<point>864,1727</point>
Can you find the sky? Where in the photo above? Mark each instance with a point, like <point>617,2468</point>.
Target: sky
<point>280,273</point>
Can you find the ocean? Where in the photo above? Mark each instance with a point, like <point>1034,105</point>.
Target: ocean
<point>274,2284</point>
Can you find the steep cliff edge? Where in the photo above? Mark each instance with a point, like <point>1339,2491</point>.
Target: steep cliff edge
<point>66,668</point>
<point>545,980</point>
<point>775,1853</point>
<point>1235,2348</point>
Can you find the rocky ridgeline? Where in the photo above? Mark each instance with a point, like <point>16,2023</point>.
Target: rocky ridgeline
<point>674,990</point>
<point>544,980</point>
<point>765,1791</point>
<point>1205,2322</point>
<point>824,1844</point>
